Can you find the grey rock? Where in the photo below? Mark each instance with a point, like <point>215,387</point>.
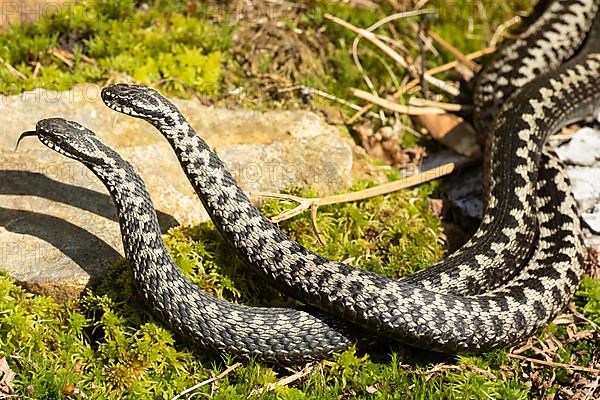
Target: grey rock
<point>582,149</point>
<point>592,218</point>
<point>585,183</point>
<point>58,228</point>
<point>582,154</point>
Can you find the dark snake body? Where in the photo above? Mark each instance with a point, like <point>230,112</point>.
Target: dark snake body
<point>274,334</point>
<point>421,310</point>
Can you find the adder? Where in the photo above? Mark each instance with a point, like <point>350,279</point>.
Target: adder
<point>425,310</point>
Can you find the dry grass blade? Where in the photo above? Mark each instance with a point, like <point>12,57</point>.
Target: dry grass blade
<point>555,364</point>
<point>415,82</point>
<point>393,106</point>
<point>209,380</point>
<point>372,28</point>
<point>12,69</point>
<point>308,368</point>
<point>454,51</point>
<point>502,28</point>
<point>453,64</point>
<point>417,102</point>
<point>370,36</point>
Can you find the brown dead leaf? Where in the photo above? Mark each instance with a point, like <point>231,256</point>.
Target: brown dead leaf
<point>593,262</point>
<point>385,145</point>
<point>6,377</point>
<point>437,206</point>
<point>576,334</point>
<point>453,131</point>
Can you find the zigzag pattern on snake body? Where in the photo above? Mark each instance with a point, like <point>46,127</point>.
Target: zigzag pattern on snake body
<point>546,281</point>
<point>405,312</point>
<point>273,334</point>
<point>281,335</point>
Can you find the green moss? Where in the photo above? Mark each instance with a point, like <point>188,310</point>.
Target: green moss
<point>164,43</point>
<point>589,297</point>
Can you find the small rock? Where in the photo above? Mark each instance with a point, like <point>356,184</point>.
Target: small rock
<point>465,192</point>
<point>582,155</point>
<point>582,149</point>
<point>592,218</point>
<point>585,184</point>
<point>440,158</point>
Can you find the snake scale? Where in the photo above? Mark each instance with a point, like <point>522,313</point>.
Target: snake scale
<point>480,297</point>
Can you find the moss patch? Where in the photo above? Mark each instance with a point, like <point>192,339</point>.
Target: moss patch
<point>92,41</point>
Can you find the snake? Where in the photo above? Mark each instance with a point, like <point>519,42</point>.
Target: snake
<point>441,321</point>
<point>281,335</point>
<point>478,298</point>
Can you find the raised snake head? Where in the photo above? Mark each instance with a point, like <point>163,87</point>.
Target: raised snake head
<point>70,139</point>
<point>142,102</point>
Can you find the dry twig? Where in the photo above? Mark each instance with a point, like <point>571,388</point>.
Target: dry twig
<point>12,69</point>
<point>308,368</point>
<point>454,51</point>
<point>315,202</point>
<point>393,106</point>
<point>415,101</point>
<point>209,380</point>
<point>555,364</point>
<point>502,28</point>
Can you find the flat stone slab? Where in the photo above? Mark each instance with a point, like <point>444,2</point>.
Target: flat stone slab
<point>58,227</point>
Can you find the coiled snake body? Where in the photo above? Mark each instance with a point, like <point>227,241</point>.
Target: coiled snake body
<point>442,309</point>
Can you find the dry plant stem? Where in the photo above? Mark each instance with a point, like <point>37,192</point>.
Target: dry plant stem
<point>453,64</point>
<point>209,380</point>
<point>36,69</point>
<point>63,56</point>
<point>422,64</point>
<point>12,69</point>
<point>454,51</point>
<point>308,368</point>
<point>393,106</point>
<point>444,367</point>
<point>370,36</point>
<point>327,96</point>
<point>555,364</point>
<point>371,28</point>
<point>415,101</point>
<point>503,27</point>
<point>313,203</point>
